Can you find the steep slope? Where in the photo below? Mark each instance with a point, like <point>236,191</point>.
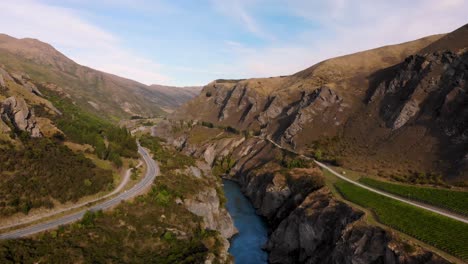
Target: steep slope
<point>360,110</point>
<point>106,94</point>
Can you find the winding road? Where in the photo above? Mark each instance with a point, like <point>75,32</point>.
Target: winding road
<point>151,173</point>
<point>398,198</point>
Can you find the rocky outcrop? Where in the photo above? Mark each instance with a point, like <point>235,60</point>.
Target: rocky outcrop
<point>321,106</point>
<point>15,111</point>
<point>207,205</point>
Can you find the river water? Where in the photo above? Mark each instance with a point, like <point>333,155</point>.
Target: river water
<point>246,246</point>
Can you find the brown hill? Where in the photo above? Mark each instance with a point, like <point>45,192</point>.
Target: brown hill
<point>109,95</point>
<point>382,111</point>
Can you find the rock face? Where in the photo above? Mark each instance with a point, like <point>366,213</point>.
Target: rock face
<point>15,111</point>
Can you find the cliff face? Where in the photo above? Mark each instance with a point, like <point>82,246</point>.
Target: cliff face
<point>394,110</point>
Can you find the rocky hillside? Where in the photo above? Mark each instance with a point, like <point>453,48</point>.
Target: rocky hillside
<point>107,94</point>
<point>394,111</point>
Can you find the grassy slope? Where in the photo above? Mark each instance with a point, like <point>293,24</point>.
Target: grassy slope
<point>441,232</point>
<point>456,201</point>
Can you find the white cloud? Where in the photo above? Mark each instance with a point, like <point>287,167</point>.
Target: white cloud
<point>86,43</point>
<point>238,10</point>
<point>350,26</point>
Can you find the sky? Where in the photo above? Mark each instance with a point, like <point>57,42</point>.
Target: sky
<point>187,42</point>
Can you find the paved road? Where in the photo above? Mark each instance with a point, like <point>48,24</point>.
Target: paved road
<point>398,198</point>
<point>151,173</point>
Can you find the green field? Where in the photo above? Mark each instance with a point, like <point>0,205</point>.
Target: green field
<point>441,232</point>
<point>455,201</point>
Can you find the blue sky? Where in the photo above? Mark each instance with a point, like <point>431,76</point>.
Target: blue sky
<point>194,42</point>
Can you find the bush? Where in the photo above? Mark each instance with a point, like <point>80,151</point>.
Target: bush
<point>230,129</point>
<point>318,155</point>
<point>207,124</point>
<point>295,162</point>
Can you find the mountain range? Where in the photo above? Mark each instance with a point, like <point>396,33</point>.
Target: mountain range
<point>109,95</point>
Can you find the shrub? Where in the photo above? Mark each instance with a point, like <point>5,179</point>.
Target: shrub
<point>230,129</point>
<point>207,124</point>
<point>318,154</point>
<point>295,162</point>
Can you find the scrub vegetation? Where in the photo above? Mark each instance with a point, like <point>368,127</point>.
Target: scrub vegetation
<point>42,170</point>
